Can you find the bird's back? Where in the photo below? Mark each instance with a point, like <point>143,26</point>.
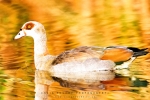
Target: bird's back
<point>79,54</point>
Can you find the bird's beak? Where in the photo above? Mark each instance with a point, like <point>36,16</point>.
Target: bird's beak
<point>17,37</point>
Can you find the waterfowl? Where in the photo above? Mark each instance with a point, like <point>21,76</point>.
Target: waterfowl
<point>88,58</point>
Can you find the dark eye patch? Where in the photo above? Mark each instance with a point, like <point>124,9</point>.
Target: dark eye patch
<point>20,29</point>
<point>29,26</point>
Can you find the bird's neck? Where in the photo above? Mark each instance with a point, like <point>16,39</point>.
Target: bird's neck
<point>40,46</point>
<point>42,58</point>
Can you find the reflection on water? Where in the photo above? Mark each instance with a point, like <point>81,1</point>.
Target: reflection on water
<point>89,86</point>
<point>69,25</point>
<point>85,80</point>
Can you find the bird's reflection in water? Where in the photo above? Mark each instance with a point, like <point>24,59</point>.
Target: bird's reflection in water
<point>42,81</point>
<point>80,81</point>
<point>87,81</point>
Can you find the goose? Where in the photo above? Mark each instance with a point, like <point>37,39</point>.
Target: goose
<point>83,58</point>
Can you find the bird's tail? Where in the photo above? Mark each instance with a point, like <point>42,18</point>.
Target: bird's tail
<point>138,52</point>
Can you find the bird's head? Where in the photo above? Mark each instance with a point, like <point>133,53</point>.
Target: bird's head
<point>32,28</point>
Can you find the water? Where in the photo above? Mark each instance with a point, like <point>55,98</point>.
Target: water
<point>65,30</point>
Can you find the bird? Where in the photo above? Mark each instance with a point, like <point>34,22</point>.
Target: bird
<point>83,58</point>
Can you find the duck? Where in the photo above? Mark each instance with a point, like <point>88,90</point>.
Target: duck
<point>80,59</point>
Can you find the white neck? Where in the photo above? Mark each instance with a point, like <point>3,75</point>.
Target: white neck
<point>42,58</point>
<point>40,45</point>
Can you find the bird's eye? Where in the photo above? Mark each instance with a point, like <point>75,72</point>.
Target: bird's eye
<point>20,29</point>
<point>18,33</point>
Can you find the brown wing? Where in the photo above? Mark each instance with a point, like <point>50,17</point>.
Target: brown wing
<point>117,54</point>
<point>78,54</point>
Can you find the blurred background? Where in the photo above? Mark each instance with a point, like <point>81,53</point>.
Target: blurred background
<point>72,23</point>
<point>69,23</point>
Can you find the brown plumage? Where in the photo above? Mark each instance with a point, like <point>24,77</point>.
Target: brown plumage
<point>114,53</point>
<point>117,54</point>
<point>78,54</point>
